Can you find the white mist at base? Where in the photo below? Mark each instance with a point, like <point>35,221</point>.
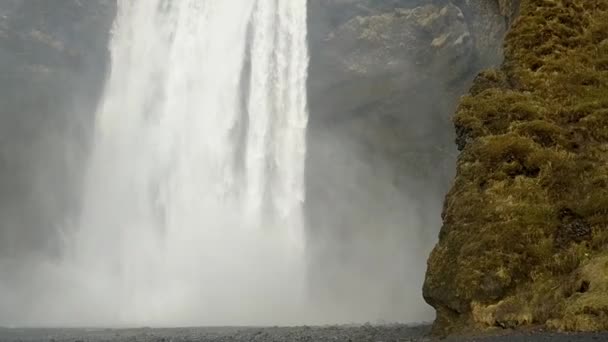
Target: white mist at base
<point>192,213</point>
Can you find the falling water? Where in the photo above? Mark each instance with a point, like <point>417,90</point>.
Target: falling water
<point>192,212</point>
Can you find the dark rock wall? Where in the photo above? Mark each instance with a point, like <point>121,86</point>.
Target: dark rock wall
<point>53,60</point>
<point>384,80</point>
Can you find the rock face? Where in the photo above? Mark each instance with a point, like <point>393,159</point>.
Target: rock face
<point>524,234</point>
<point>53,57</point>
<point>384,80</point>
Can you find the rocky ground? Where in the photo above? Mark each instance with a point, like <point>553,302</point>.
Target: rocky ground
<point>317,334</point>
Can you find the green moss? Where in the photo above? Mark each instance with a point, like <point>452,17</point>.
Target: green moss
<point>585,306</point>
<point>493,110</point>
<point>542,132</point>
<point>535,145</point>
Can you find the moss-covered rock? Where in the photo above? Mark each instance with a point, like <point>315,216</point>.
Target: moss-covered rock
<point>526,221</point>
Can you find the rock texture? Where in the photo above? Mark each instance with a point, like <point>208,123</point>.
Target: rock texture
<point>524,234</point>
<point>53,57</point>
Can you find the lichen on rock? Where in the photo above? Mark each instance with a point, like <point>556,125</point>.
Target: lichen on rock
<point>525,223</point>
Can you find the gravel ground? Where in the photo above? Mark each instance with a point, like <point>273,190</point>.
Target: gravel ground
<point>388,333</point>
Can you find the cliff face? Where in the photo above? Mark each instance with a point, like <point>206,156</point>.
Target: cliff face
<point>53,57</point>
<point>525,224</point>
<point>384,80</point>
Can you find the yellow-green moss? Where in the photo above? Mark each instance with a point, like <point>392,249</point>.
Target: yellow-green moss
<point>528,212</point>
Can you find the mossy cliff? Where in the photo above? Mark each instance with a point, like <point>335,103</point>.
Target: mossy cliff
<point>526,222</point>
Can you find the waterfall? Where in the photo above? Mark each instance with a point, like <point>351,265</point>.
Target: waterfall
<point>192,211</point>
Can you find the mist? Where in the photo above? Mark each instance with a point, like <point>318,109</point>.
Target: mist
<point>380,157</point>
<point>373,217</point>
<point>215,164</point>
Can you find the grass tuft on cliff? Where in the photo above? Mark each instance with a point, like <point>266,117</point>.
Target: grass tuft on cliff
<point>526,221</point>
